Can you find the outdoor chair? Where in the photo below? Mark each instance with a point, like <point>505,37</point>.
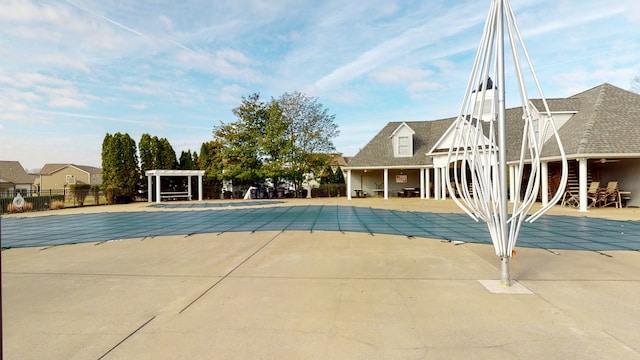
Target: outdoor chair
<point>592,193</point>
<point>571,198</point>
<point>609,195</point>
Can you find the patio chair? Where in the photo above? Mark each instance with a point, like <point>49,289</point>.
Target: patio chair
<point>572,195</point>
<point>571,198</point>
<point>610,195</point>
<point>592,193</point>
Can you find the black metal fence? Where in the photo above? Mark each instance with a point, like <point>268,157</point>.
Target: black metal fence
<point>33,200</point>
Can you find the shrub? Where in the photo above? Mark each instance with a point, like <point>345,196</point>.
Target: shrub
<point>80,192</point>
<point>57,204</point>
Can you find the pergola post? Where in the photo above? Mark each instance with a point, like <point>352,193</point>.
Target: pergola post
<point>199,187</point>
<point>158,198</point>
<point>149,188</point>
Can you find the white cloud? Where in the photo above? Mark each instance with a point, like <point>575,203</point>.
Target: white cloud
<point>138,106</point>
<point>632,10</point>
<point>64,102</point>
<point>400,75</point>
<point>232,94</point>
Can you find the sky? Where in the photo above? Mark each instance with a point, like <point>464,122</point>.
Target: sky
<point>73,71</point>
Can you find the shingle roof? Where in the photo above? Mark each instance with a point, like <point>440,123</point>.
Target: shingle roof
<point>52,168</point>
<point>606,121</point>
<point>13,172</point>
<point>379,151</point>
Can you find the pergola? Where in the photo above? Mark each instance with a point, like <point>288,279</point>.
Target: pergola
<point>160,173</point>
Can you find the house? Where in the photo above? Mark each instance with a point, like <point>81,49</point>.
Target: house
<point>14,178</point>
<point>60,176</point>
<point>599,129</point>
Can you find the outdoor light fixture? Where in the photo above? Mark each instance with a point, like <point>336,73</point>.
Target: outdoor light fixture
<point>479,142</point>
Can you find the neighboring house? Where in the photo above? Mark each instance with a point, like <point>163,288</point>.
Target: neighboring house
<point>599,129</point>
<point>14,178</point>
<point>61,176</point>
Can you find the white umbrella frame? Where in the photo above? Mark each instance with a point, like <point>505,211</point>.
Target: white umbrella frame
<point>479,140</point>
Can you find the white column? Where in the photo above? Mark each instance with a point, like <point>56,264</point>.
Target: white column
<point>421,183</point>
<point>386,184</point>
<point>443,187</point>
<point>427,183</point>
<point>512,183</point>
<point>189,186</point>
<point>199,187</point>
<point>544,179</point>
<point>158,189</point>
<point>582,178</point>
<point>349,184</point>
<point>149,188</point>
<point>436,185</point>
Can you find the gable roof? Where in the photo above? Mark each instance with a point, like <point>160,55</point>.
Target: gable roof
<point>607,122</point>
<point>13,172</point>
<point>402,125</point>
<point>379,151</point>
<point>49,169</point>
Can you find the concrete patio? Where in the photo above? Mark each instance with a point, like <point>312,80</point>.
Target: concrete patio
<point>316,295</point>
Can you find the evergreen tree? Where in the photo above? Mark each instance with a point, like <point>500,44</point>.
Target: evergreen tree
<point>188,161</point>
<point>210,161</point>
<point>119,163</point>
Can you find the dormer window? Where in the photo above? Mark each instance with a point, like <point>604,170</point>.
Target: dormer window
<point>403,146</point>
<point>402,139</point>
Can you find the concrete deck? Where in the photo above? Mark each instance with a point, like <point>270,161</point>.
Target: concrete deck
<point>320,295</point>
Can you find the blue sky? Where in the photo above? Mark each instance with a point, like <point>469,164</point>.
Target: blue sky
<point>72,71</point>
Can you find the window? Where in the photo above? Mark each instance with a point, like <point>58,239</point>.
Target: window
<point>403,146</point>
<point>402,139</point>
<point>70,179</point>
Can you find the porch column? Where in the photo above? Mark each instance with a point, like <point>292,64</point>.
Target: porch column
<point>582,178</point>
<point>199,187</point>
<point>427,181</point>
<point>349,184</point>
<point>189,186</point>
<point>421,183</point>
<point>443,186</point>
<point>158,189</point>
<point>512,184</point>
<point>544,178</point>
<point>149,188</point>
<point>437,191</point>
<point>386,184</point>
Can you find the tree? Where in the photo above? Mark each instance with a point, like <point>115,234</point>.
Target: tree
<point>210,160</point>
<point>156,153</point>
<point>80,192</point>
<point>188,161</point>
<point>327,175</point>
<point>311,131</point>
<point>285,138</point>
<point>119,163</point>
<point>240,145</point>
<point>338,176</point>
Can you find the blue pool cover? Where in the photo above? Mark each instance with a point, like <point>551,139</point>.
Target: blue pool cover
<point>549,232</point>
